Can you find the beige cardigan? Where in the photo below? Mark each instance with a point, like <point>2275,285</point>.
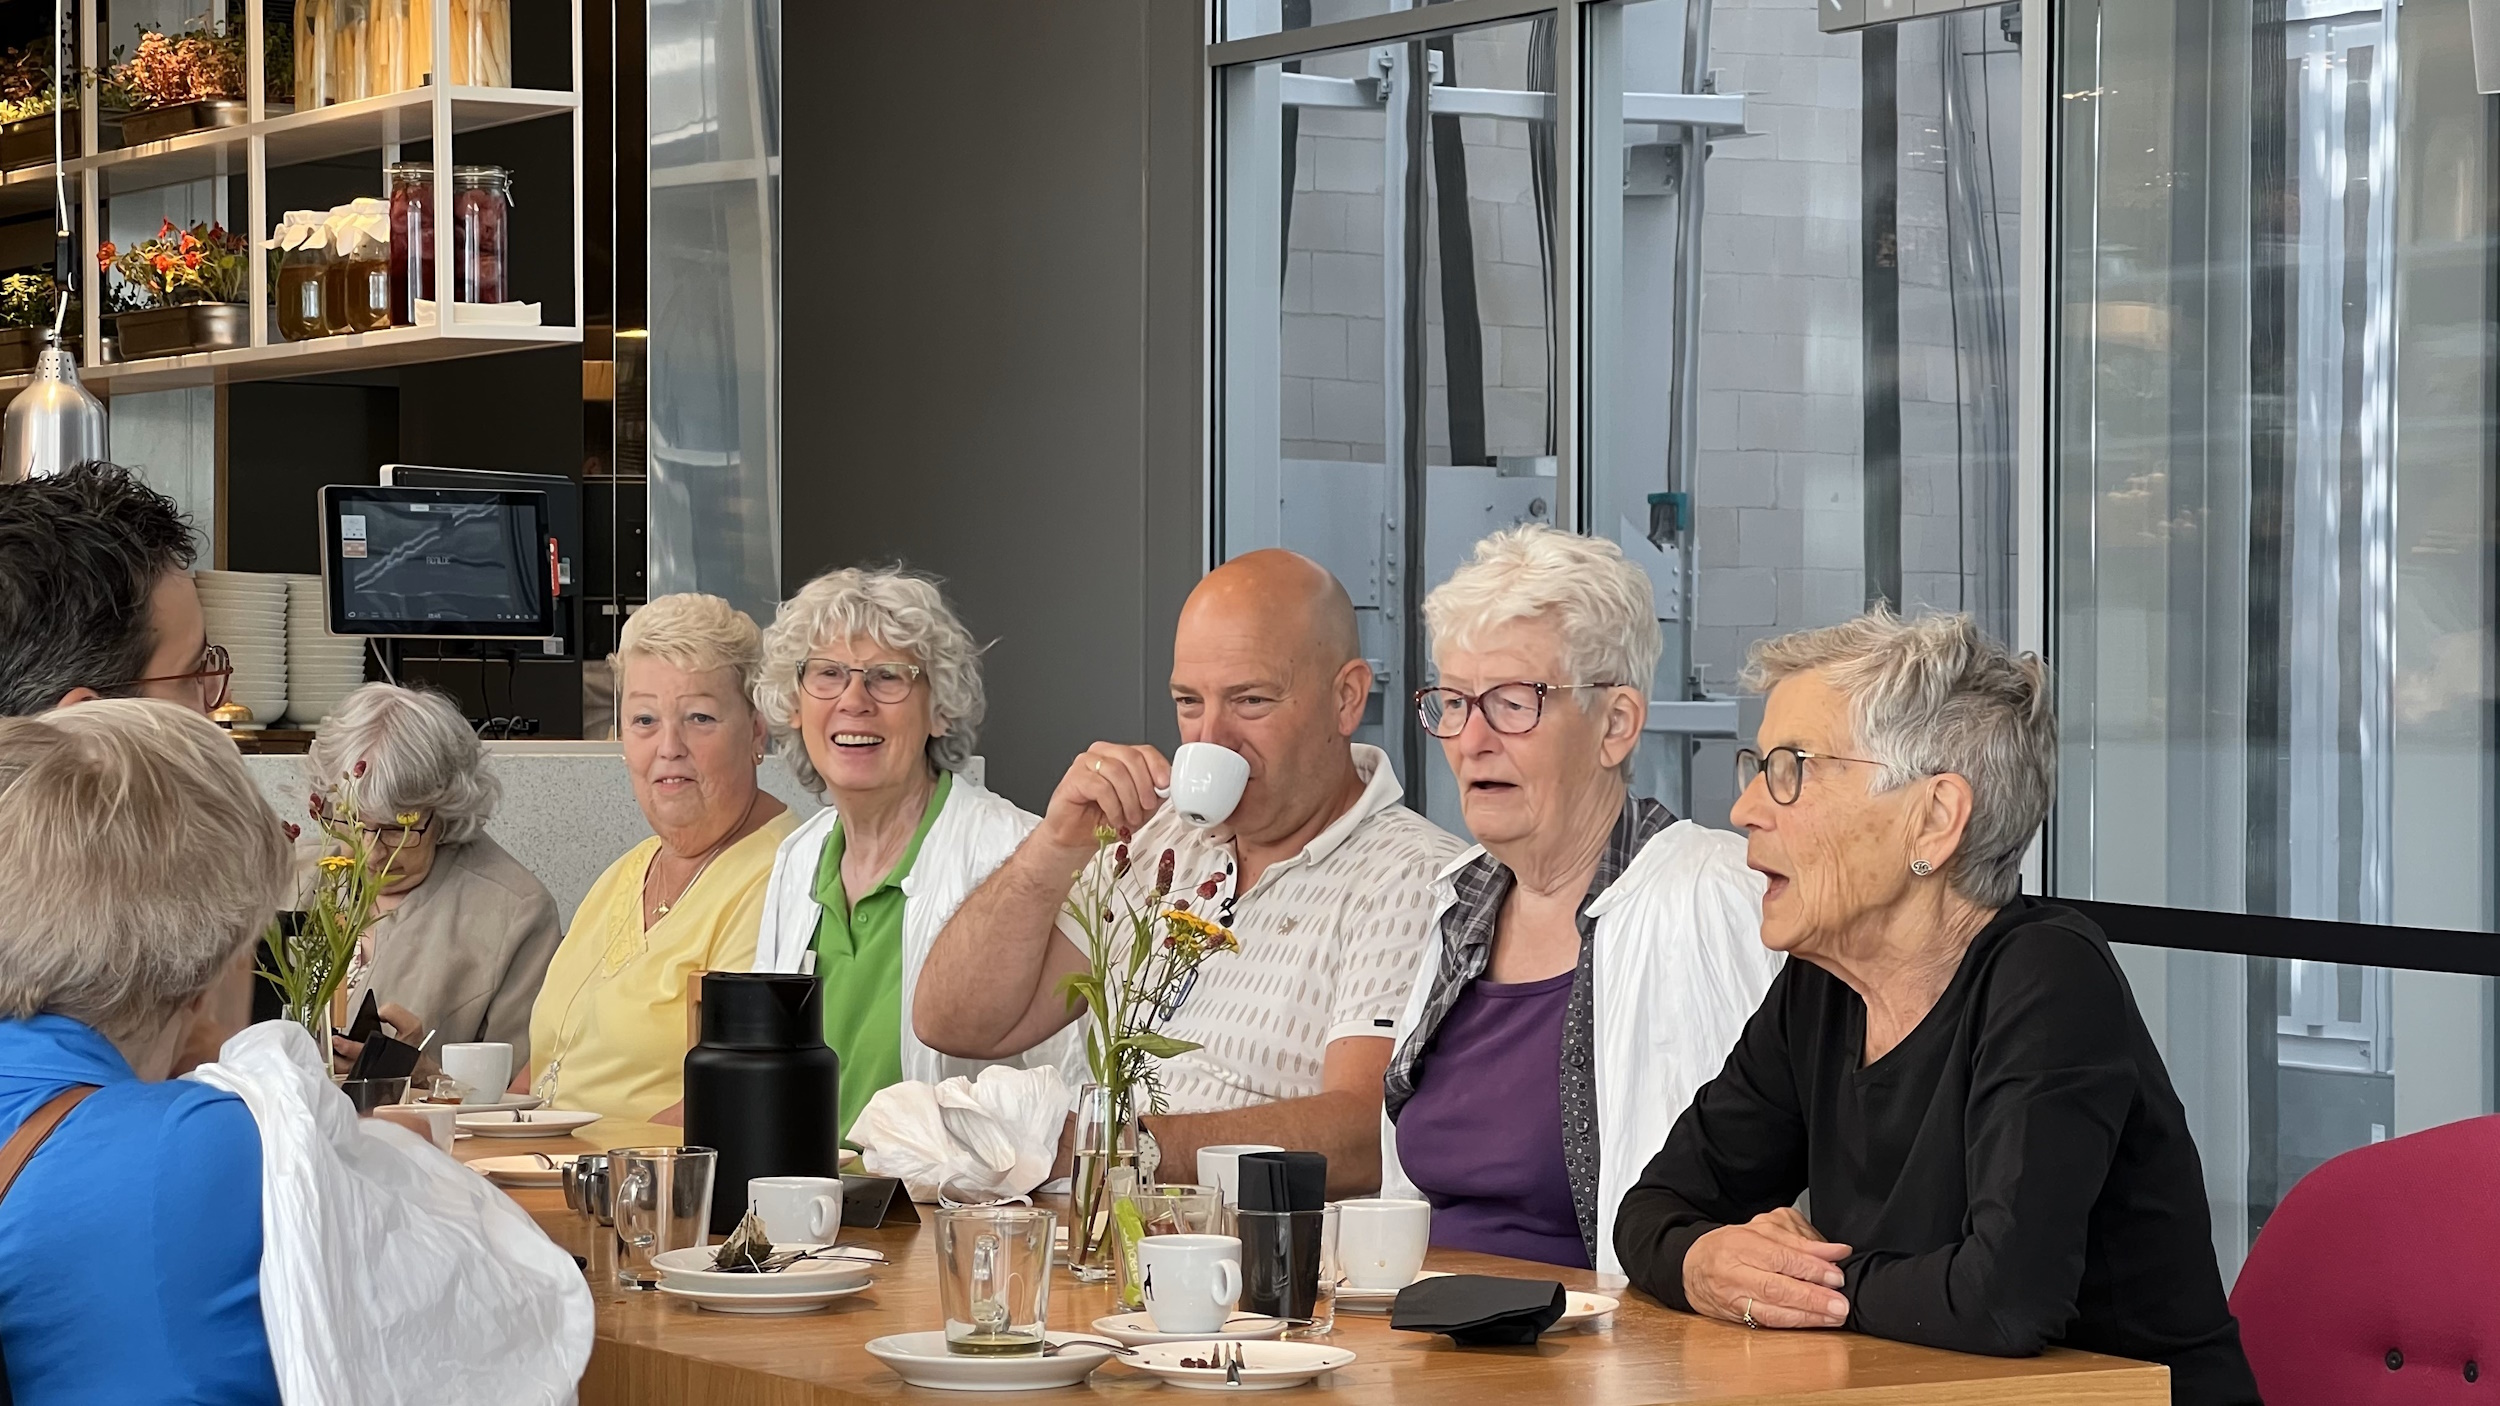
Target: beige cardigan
<point>466,949</point>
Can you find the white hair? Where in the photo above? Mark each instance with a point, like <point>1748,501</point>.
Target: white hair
<point>1934,696</point>
<point>420,754</point>
<point>904,612</point>
<point>1600,607</point>
<point>692,632</point>
<point>136,859</point>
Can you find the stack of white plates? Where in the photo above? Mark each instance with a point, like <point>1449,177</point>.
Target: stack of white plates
<point>322,668</point>
<point>247,614</point>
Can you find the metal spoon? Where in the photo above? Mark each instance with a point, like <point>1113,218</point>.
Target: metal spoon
<point>1051,1349</point>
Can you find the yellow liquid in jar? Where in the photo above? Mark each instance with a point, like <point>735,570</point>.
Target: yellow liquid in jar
<point>303,302</point>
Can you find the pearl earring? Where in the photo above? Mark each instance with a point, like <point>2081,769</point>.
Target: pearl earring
<point>1921,868</point>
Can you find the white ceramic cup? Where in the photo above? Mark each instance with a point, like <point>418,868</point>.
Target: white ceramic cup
<point>484,1069</point>
<point>434,1121</point>
<point>1381,1241</point>
<point>1191,1282</point>
<point>797,1210</point>
<point>1220,1167</point>
<point>1206,782</point>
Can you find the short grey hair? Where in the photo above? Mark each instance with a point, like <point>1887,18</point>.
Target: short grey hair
<point>1601,607</point>
<point>693,632</point>
<point>136,859</point>
<point>1936,695</point>
<point>420,754</point>
<point>899,609</point>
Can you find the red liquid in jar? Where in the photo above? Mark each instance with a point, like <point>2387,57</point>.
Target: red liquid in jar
<point>412,247</point>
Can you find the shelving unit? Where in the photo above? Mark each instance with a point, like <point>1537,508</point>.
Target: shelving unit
<point>439,114</point>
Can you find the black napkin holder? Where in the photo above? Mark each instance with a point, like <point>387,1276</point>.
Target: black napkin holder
<point>869,1202</point>
<point>1479,1310</point>
<point>384,1058</point>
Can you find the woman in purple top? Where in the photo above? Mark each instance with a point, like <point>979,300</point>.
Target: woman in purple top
<point>1594,960</point>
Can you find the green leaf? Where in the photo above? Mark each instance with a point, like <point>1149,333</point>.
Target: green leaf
<point>1155,1045</point>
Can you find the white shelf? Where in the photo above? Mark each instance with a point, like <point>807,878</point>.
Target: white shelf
<point>343,129</point>
<point>354,351</point>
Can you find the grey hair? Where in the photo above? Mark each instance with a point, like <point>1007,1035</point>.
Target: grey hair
<point>1932,696</point>
<point>899,609</point>
<point>693,632</point>
<point>419,753</point>
<point>1600,605</point>
<point>136,859</point>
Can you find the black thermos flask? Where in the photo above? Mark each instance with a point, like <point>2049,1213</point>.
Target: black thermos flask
<point>761,1086</point>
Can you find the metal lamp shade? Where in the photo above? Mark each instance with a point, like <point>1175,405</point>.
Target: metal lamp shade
<point>52,424</point>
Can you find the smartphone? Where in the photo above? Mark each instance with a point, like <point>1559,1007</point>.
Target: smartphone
<point>368,1022</point>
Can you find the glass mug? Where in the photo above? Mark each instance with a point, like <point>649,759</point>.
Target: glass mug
<point>660,1200</point>
<point>994,1278</point>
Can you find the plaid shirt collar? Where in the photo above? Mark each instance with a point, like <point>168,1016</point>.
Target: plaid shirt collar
<point>1467,931</point>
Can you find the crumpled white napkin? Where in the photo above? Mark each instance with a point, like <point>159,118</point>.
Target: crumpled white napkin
<point>974,1139</point>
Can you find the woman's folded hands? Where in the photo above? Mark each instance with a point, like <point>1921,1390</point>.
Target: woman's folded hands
<point>1774,1271</point>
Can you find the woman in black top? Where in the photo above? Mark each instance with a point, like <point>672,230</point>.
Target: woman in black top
<point>1956,1076</point>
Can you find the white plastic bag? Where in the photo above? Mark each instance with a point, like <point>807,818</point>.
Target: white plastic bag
<point>389,1273</point>
<point>973,1139</point>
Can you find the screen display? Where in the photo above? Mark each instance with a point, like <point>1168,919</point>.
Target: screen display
<point>437,561</point>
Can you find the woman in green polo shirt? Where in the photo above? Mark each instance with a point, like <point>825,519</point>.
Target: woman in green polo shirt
<point>873,690</point>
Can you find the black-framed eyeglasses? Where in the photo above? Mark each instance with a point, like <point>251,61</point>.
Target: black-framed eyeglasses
<point>216,671</point>
<point>1508,708</point>
<point>829,679</point>
<point>1783,769</point>
<point>396,836</point>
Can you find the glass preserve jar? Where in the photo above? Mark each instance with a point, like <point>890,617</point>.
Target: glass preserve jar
<point>481,226</point>
<point>359,280</point>
<point>303,290</point>
<point>412,239</point>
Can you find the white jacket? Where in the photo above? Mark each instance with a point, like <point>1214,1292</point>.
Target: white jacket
<point>389,1273</point>
<point>973,834</point>
<point>1676,970</point>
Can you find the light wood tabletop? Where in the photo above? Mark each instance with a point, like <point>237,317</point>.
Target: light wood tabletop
<point>652,1350</point>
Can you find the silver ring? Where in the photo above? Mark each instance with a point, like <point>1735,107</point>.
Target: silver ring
<point>1749,1315</point>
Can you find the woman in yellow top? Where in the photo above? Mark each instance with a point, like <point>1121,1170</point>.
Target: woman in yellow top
<point>609,1032</point>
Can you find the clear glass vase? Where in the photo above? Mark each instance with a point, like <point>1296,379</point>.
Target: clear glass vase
<point>1106,1140</point>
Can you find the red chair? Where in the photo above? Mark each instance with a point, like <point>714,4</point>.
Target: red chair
<point>2378,1278</point>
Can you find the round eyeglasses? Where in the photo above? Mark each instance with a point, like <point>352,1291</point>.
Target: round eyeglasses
<point>1508,708</point>
<point>829,679</point>
<point>216,671</point>
<point>1782,769</point>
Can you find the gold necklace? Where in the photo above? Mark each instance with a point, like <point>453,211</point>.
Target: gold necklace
<point>708,856</point>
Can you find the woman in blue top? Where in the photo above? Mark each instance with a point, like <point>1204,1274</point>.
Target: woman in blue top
<point>137,865</point>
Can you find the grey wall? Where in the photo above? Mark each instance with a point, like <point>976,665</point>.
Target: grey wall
<point>992,369</point>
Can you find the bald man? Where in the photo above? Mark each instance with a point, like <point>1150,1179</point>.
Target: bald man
<point>1324,875</point>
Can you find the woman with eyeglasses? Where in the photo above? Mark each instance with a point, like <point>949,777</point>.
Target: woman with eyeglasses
<point>1594,957</point>
<point>873,690</point>
<point>1956,1074</point>
<point>466,930</point>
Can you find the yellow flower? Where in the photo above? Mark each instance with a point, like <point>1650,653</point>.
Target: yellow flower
<point>1197,931</point>
<point>333,863</point>
<point>407,819</point>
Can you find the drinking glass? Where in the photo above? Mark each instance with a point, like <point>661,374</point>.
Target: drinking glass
<point>662,1201</point>
<point>370,1094</point>
<point>1168,1209</point>
<point>1289,1268</point>
<point>994,1278</point>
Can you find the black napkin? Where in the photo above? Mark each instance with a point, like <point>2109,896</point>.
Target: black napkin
<point>1479,1310</point>
<point>1283,1181</point>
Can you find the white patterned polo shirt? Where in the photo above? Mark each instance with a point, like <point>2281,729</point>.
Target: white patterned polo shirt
<point>1329,943</point>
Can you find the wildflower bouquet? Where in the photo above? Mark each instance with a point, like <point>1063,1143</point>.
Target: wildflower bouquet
<point>1141,963</point>
<point>310,964</point>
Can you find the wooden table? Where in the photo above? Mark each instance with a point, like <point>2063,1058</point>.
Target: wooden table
<point>653,1350</point>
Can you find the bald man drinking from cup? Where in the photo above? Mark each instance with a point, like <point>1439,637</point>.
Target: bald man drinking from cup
<point>1326,878</point>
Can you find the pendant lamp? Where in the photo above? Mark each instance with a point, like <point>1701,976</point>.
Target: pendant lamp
<point>55,422</point>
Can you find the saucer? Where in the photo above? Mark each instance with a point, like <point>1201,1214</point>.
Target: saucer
<point>1138,1330</point>
<point>1264,1367</point>
<point>523,1122</point>
<point>1580,1310</point>
<point>1353,1300</point>
<point>922,1360</point>
<point>525,1170</point>
<point>692,1269</point>
<point>759,1305</point>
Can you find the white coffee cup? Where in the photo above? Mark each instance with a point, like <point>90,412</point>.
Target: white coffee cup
<point>1191,1282</point>
<point>797,1210</point>
<point>1381,1241</point>
<point>433,1121</point>
<point>1220,1167</point>
<point>1207,780</point>
<point>484,1069</point>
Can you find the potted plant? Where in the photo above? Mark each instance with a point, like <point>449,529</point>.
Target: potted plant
<point>26,110</point>
<point>185,82</point>
<point>189,284</point>
<point>25,314</point>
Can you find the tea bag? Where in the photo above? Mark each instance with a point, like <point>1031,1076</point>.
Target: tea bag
<point>747,1247</point>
